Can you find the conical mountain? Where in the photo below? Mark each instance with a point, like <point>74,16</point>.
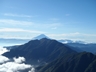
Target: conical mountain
<point>44,50</point>
<point>40,37</point>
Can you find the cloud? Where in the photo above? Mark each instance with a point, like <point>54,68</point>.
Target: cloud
<point>3,50</point>
<point>19,60</point>
<point>3,59</point>
<point>66,34</point>
<point>15,65</point>
<point>47,25</point>
<point>89,38</point>
<point>32,70</point>
<point>14,22</point>
<point>20,23</point>
<point>19,30</point>
<point>74,35</point>
<point>19,33</point>
<point>17,15</point>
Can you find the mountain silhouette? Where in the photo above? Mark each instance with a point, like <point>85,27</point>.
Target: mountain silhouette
<point>43,50</point>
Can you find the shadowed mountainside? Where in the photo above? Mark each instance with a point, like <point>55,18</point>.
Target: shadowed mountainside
<point>38,51</point>
<point>81,62</point>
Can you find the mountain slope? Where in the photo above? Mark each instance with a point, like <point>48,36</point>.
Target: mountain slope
<point>91,47</point>
<point>44,50</point>
<point>82,62</point>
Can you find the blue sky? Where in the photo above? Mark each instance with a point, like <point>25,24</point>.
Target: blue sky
<point>58,19</point>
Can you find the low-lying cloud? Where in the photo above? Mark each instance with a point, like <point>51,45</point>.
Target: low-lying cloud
<point>19,60</point>
<point>3,59</point>
<point>3,50</point>
<point>13,65</point>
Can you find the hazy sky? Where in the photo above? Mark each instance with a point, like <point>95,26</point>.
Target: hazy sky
<point>60,19</point>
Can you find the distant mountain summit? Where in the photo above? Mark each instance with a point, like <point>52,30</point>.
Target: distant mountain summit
<point>40,37</point>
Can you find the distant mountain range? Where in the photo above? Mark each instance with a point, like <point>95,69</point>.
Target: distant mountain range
<point>78,46</point>
<point>91,47</point>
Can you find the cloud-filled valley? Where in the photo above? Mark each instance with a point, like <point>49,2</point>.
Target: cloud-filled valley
<point>13,65</point>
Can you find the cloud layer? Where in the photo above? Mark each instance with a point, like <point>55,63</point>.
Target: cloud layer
<point>17,15</point>
<point>13,65</point>
<point>3,59</point>
<point>19,30</point>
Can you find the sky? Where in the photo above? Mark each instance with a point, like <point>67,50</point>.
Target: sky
<point>58,19</point>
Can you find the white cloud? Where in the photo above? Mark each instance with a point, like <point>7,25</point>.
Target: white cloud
<point>75,34</point>
<point>19,30</point>
<point>18,33</point>
<point>13,67</point>
<point>19,60</point>
<point>3,50</point>
<point>89,38</point>
<point>7,65</point>
<point>20,23</point>
<point>47,25</point>
<point>14,22</point>
<point>17,15</point>
<point>23,24</point>
<point>3,59</point>
<point>32,70</point>
<point>65,34</point>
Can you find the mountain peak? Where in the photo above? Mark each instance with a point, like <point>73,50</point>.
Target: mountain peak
<point>40,37</point>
